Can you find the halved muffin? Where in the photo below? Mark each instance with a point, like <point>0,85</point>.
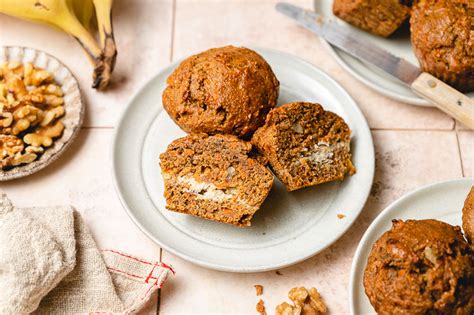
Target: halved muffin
<point>305,145</point>
<point>214,177</point>
<point>380,17</point>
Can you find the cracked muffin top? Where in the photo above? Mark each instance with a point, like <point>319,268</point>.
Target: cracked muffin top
<point>443,40</point>
<point>420,267</point>
<point>222,90</point>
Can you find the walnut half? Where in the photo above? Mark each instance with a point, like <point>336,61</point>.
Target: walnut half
<point>306,302</point>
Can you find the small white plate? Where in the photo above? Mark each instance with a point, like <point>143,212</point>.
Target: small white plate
<point>73,106</point>
<point>441,201</point>
<point>398,44</point>
<point>289,228</point>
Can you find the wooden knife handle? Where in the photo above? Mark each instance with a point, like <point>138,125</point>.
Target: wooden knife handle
<point>446,98</point>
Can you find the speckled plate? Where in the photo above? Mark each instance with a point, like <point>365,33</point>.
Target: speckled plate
<point>289,228</point>
<point>73,105</point>
<point>441,201</point>
<point>398,44</point>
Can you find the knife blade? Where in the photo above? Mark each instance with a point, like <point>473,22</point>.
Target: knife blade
<point>443,96</point>
<point>345,39</point>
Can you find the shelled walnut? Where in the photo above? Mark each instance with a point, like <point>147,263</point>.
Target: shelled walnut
<point>306,302</point>
<point>31,106</point>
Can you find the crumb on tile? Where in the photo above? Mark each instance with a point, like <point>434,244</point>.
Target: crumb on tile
<point>341,216</point>
<point>258,289</point>
<point>261,307</point>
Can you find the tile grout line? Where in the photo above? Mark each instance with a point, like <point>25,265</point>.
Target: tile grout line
<point>96,127</point>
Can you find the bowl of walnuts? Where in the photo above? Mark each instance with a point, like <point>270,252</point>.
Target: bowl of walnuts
<point>41,110</point>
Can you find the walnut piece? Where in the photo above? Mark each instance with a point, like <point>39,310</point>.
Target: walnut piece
<point>260,307</point>
<point>44,136</point>
<point>10,146</point>
<point>306,302</point>
<point>31,104</point>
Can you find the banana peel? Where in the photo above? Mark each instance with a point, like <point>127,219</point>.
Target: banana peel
<point>74,17</point>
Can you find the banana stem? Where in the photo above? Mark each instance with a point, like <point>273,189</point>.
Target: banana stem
<point>103,10</point>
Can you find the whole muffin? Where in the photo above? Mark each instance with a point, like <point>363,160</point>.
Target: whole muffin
<point>421,267</point>
<point>443,40</point>
<point>380,17</point>
<point>222,90</point>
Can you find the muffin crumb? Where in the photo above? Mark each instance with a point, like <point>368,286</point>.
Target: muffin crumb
<point>258,289</point>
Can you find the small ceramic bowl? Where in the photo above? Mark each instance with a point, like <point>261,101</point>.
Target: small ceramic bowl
<point>73,105</point>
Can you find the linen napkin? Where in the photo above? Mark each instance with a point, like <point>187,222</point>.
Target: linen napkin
<point>50,264</point>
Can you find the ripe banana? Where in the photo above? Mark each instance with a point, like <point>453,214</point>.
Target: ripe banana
<point>62,14</point>
<point>84,10</point>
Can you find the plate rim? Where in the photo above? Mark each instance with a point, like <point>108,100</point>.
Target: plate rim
<point>37,166</point>
<point>364,128</point>
<point>381,217</point>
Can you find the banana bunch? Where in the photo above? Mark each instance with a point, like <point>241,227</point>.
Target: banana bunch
<point>75,18</point>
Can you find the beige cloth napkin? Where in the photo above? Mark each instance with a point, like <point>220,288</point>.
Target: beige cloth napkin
<point>49,264</point>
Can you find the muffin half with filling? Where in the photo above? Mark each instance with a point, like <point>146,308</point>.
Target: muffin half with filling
<point>214,177</point>
<point>305,145</point>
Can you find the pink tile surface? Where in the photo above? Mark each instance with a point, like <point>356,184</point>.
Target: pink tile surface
<point>149,34</point>
<point>143,48</point>
<point>257,24</point>
<point>405,160</point>
<point>466,142</point>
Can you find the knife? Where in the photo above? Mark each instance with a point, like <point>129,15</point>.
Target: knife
<point>443,96</point>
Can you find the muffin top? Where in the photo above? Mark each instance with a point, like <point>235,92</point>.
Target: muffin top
<point>420,267</point>
<point>222,90</point>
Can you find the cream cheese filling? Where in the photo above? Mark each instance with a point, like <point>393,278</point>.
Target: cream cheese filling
<point>323,152</point>
<point>208,191</point>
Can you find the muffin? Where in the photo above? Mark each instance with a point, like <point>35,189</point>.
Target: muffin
<point>305,145</point>
<point>443,40</point>
<point>225,90</point>
<point>214,177</point>
<point>468,217</point>
<point>420,267</point>
<point>380,17</point>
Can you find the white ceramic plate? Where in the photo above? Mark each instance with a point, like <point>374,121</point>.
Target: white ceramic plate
<point>399,44</point>
<point>441,201</point>
<point>290,227</point>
